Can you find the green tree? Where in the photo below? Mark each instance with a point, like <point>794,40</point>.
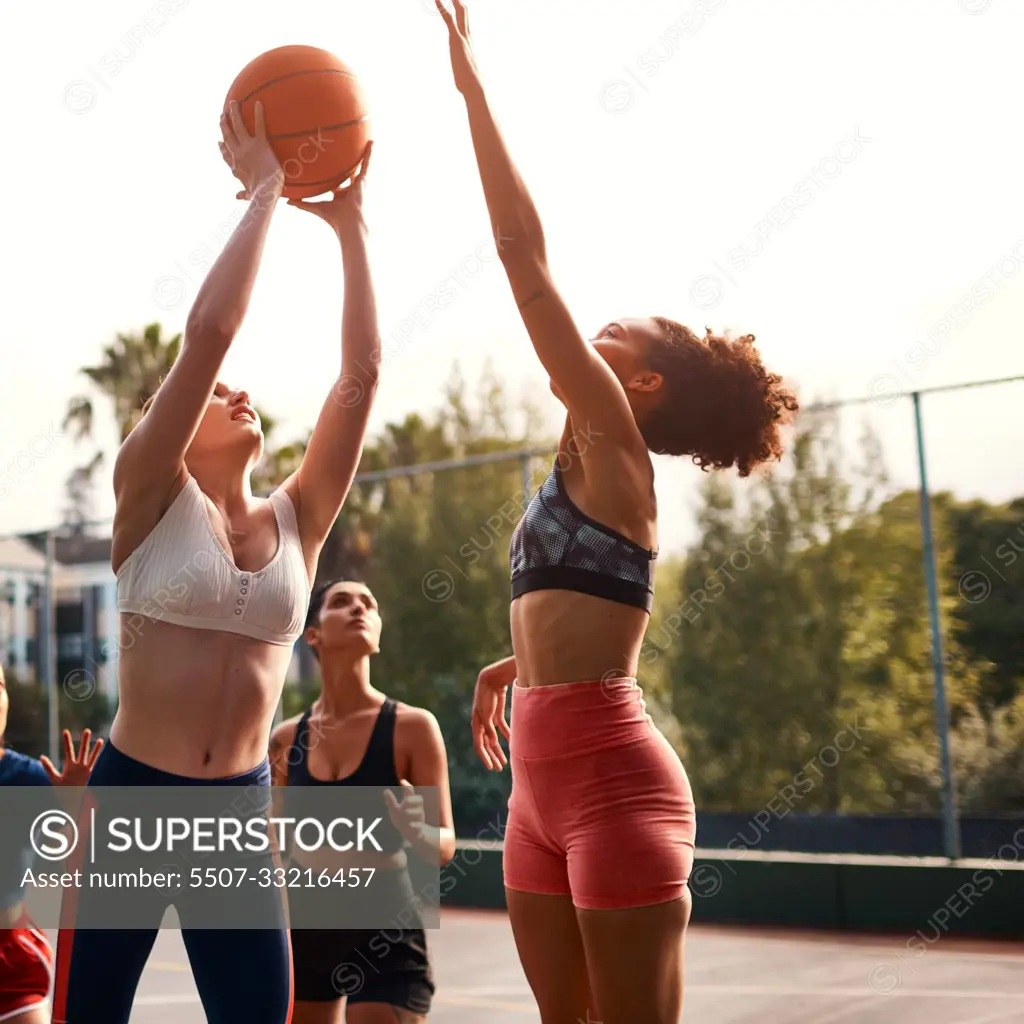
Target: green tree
<point>129,373</point>
<point>988,573</point>
<point>989,757</point>
<point>807,616</point>
<point>28,719</point>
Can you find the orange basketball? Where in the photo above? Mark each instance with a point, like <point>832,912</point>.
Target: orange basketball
<point>315,114</point>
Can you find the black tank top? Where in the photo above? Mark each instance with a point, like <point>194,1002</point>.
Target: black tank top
<point>377,768</point>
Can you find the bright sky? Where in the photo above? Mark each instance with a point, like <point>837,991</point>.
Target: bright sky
<point>659,138</point>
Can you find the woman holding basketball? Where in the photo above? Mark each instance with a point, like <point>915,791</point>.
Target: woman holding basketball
<point>213,586</point>
<point>601,826</point>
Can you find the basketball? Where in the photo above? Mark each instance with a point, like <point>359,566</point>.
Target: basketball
<point>315,114</point>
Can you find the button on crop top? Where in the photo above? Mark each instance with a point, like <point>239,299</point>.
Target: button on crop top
<point>181,574</point>
<point>555,546</point>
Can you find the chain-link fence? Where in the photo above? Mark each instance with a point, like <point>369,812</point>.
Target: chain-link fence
<point>826,643</point>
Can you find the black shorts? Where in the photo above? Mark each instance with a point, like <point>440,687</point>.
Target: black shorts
<point>386,966</point>
<point>362,965</point>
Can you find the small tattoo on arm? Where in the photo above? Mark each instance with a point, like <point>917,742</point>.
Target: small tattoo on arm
<point>531,299</point>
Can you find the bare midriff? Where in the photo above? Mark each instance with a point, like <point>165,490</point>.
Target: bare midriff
<point>197,703</point>
<point>560,636</point>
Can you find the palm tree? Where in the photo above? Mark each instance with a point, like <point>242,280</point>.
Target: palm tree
<point>130,372</point>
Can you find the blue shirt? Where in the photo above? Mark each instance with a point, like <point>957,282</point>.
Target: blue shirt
<point>16,854</point>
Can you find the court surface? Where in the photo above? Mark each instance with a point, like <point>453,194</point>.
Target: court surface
<point>732,976</point>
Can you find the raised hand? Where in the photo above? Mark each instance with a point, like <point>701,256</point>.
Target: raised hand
<point>345,207</point>
<point>76,766</point>
<point>251,158</point>
<point>467,78</point>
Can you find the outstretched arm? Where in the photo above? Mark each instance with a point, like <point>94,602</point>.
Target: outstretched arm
<point>590,390</point>
<point>153,455</point>
<point>319,487</point>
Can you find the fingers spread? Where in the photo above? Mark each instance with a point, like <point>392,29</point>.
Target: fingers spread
<point>261,124</point>
<point>48,768</point>
<point>95,753</point>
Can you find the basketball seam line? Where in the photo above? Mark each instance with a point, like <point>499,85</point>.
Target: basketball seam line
<point>325,128</point>
<point>295,74</point>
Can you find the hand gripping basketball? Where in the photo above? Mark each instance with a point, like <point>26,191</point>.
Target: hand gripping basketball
<point>250,157</point>
<point>345,207</point>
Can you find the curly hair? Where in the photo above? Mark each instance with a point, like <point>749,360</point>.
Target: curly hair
<point>720,405</point>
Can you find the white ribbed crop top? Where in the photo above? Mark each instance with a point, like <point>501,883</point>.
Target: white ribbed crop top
<point>181,574</point>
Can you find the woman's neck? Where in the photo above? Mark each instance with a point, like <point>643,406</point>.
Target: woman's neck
<point>229,489</point>
<point>346,686</point>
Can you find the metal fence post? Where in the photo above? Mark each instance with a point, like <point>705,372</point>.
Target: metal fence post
<point>951,829</point>
<point>49,625</point>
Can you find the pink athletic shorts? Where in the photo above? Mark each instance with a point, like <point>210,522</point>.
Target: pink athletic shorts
<point>601,809</point>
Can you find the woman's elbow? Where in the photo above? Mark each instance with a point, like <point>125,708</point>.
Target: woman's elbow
<point>447,851</point>
<point>210,329</point>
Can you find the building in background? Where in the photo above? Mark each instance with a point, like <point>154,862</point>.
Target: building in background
<point>87,624</point>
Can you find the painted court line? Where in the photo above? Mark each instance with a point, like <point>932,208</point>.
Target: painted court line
<point>192,999</point>
<point>853,993</point>
<point>790,990</point>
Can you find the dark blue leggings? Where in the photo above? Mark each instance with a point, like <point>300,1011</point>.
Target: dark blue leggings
<point>241,975</point>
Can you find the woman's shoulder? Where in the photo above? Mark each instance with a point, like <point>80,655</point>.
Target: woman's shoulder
<point>283,735</point>
<point>18,769</point>
<point>415,722</point>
